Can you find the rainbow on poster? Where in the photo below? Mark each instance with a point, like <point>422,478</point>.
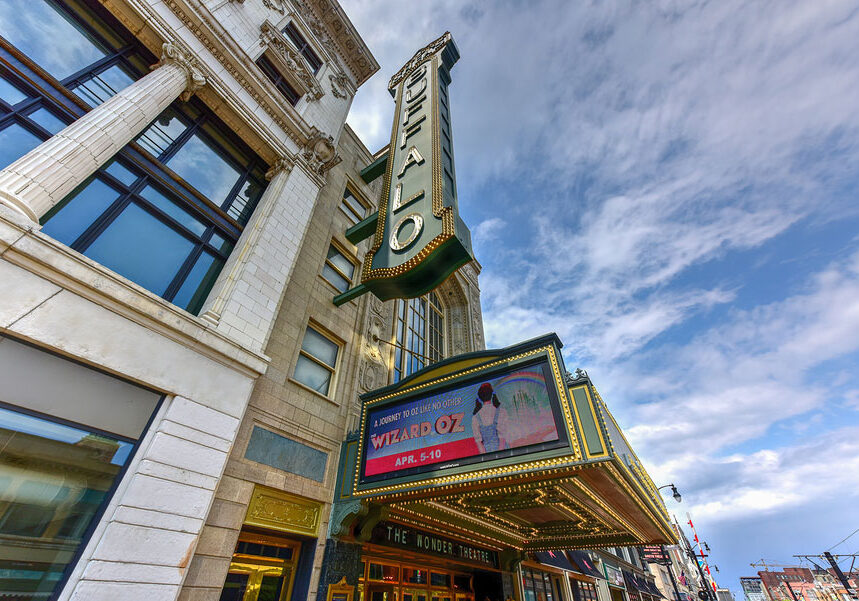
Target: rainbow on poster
<point>493,417</point>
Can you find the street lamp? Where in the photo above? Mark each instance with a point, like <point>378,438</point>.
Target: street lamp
<point>674,492</point>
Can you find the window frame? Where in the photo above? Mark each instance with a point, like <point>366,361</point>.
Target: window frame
<point>305,46</point>
<point>335,244</point>
<point>277,77</point>
<point>86,535</point>
<point>403,318</point>
<point>332,382</point>
<point>65,101</point>
<point>350,189</point>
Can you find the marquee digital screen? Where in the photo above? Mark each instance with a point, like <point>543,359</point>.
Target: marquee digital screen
<point>504,414</point>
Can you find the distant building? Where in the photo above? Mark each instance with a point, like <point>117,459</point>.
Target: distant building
<point>753,589</point>
<point>723,594</point>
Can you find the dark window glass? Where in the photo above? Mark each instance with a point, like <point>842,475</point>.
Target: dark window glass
<point>142,248</point>
<point>235,587</point>
<point>10,94</point>
<point>15,142</point>
<point>440,579</point>
<point>419,329</point>
<point>194,219</point>
<point>384,572</point>
<point>414,576</point>
<point>313,61</point>
<point>80,211</point>
<point>278,80</point>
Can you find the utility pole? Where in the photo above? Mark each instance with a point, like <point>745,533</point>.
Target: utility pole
<point>711,594</point>
<point>670,564</point>
<point>833,561</point>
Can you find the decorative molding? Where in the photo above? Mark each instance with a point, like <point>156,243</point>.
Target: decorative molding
<point>319,152</point>
<point>217,40</point>
<point>269,508</point>
<point>282,164</point>
<point>335,32</point>
<point>288,57</point>
<point>420,56</point>
<point>172,54</point>
<point>276,5</point>
<point>341,85</point>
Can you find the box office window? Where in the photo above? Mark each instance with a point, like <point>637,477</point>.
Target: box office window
<point>66,434</point>
<point>583,591</point>
<point>338,269</point>
<point>154,213</point>
<point>537,585</point>
<point>316,362</point>
<point>383,573</point>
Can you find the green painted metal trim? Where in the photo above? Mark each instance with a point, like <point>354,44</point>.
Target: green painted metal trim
<point>363,229</point>
<point>588,425</point>
<point>375,169</point>
<point>350,294</point>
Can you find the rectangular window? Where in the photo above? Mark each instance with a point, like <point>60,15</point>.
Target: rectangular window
<point>278,80</point>
<point>168,209</point>
<point>354,208</point>
<point>67,433</point>
<point>338,269</point>
<point>316,361</point>
<point>313,61</point>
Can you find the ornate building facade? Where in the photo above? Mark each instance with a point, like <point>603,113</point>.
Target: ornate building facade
<point>180,397</point>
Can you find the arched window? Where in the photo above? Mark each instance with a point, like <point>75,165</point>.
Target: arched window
<point>419,330</point>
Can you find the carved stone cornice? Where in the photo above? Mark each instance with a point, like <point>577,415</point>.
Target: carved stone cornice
<point>199,22</point>
<point>288,57</point>
<point>172,54</point>
<point>419,57</point>
<point>335,31</point>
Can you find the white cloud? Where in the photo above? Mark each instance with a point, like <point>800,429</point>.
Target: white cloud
<point>631,147</point>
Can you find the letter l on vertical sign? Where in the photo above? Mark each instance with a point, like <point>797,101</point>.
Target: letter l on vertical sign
<point>420,239</point>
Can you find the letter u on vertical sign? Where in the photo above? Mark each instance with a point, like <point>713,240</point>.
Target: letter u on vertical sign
<point>420,239</point>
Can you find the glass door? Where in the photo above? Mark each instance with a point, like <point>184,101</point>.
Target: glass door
<point>412,594</point>
<point>263,569</point>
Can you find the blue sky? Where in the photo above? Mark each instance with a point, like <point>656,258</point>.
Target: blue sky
<point>671,186</point>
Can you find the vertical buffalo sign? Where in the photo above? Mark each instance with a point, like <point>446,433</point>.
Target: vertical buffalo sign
<point>420,239</point>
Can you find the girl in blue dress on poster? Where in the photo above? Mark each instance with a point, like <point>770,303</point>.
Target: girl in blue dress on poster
<point>488,422</point>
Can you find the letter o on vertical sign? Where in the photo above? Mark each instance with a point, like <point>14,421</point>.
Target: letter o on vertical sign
<point>415,218</point>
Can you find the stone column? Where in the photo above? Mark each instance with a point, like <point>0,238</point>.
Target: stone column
<point>244,302</point>
<point>36,182</point>
<point>239,260</point>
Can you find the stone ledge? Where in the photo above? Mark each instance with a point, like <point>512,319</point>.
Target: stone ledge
<point>47,258</point>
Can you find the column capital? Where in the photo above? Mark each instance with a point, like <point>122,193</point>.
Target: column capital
<point>173,54</point>
<point>283,164</point>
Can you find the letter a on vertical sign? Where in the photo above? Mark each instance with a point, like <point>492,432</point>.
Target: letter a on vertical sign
<point>420,239</point>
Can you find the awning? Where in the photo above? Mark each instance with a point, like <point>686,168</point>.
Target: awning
<point>585,564</point>
<point>654,590</point>
<point>636,583</point>
<point>556,559</point>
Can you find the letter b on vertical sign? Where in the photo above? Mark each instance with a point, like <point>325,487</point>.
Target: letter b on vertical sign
<point>420,239</point>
